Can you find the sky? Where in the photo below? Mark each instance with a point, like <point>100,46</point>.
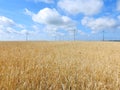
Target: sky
<point>59,19</point>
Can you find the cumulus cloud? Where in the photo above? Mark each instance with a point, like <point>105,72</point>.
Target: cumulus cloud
<point>51,17</point>
<point>8,26</point>
<point>27,12</point>
<point>45,1</point>
<point>118,17</point>
<point>102,23</point>
<point>48,16</point>
<point>25,31</point>
<point>53,20</point>
<point>81,32</point>
<point>52,30</point>
<point>11,30</point>
<point>86,7</point>
<point>118,5</point>
<point>4,21</point>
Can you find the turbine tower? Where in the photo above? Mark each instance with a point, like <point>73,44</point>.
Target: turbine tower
<point>103,35</point>
<point>74,34</point>
<point>74,31</point>
<point>27,36</point>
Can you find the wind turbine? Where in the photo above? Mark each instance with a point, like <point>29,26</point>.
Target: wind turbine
<point>74,34</point>
<point>103,35</point>
<point>27,34</point>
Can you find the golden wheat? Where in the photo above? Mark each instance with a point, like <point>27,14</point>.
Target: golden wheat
<point>59,66</point>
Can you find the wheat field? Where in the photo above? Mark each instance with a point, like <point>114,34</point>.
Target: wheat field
<point>59,66</point>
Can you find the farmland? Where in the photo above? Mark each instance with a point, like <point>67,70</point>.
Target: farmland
<point>59,66</point>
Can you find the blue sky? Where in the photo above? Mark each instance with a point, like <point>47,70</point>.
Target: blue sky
<point>57,19</point>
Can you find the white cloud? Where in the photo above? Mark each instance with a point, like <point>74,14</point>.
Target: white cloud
<point>11,30</point>
<point>8,26</point>
<point>53,20</point>
<point>25,31</point>
<point>118,5</point>
<point>27,12</point>
<point>118,17</point>
<point>53,31</point>
<point>87,7</point>
<point>48,16</point>
<point>81,32</point>
<point>45,1</point>
<point>6,21</point>
<point>50,29</point>
<point>102,23</point>
<point>51,17</point>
